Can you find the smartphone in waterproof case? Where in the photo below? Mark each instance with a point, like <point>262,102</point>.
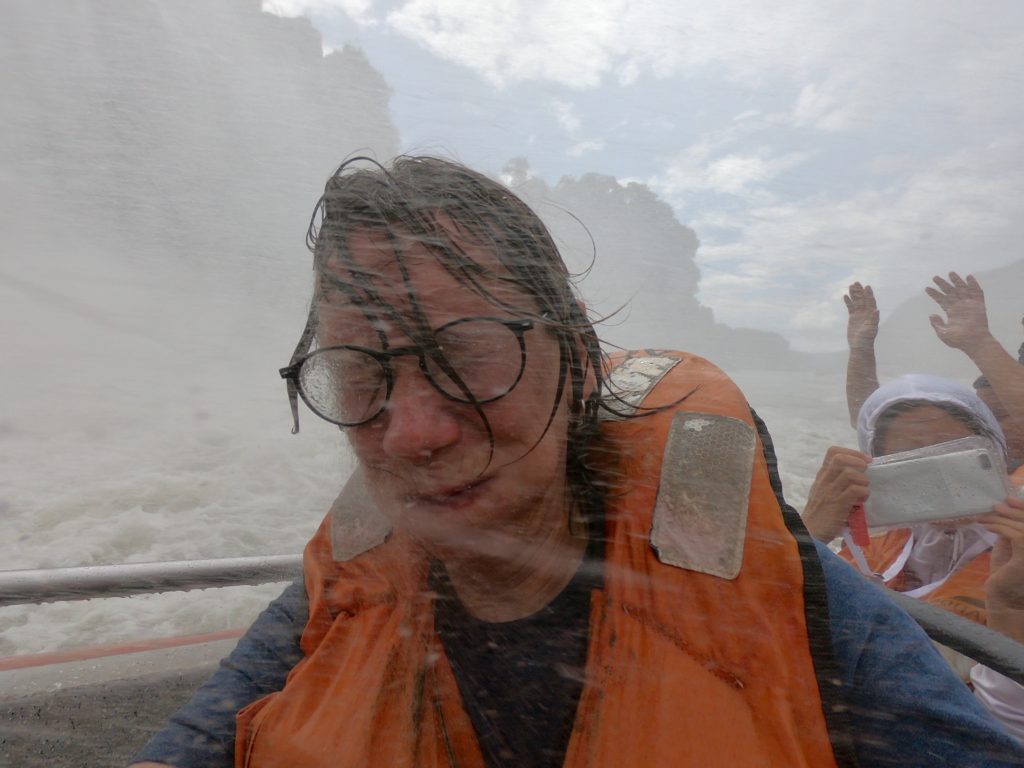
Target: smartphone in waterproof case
<point>960,478</point>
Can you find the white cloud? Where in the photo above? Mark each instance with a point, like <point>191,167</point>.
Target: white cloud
<point>578,43</point>
<point>566,116</point>
<point>569,121</point>
<point>358,10</point>
<point>514,40</point>
<point>817,315</point>
<point>700,169</point>
<point>629,73</point>
<point>963,213</point>
<point>939,62</point>
<point>852,63</point>
<point>736,174</point>
<point>583,147</point>
<point>822,106</point>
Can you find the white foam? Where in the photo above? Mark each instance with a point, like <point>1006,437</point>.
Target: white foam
<point>144,481</point>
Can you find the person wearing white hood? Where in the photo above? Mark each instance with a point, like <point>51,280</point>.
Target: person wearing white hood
<point>975,567</point>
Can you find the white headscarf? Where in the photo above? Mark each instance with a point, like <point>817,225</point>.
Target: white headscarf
<point>919,387</point>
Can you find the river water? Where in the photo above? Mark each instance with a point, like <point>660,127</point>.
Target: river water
<point>215,475</point>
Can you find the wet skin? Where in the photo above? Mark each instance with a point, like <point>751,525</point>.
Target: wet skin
<point>498,523</point>
<point>989,398</point>
<point>920,427</point>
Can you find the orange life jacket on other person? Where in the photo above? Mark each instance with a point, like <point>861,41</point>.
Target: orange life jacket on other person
<point>683,668</point>
<point>962,593</point>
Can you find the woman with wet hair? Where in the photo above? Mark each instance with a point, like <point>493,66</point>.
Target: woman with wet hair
<point>973,567</point>
<point>445,206</point>
<point>546,556</point>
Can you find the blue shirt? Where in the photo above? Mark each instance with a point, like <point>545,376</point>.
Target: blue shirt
<point>906,707</point>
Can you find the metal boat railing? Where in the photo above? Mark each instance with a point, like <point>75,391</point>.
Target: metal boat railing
<point>60,584</point>
<point>983,645</point>
<point>95,581</point>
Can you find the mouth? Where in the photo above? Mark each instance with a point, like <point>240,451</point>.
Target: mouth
<point>452,495</point>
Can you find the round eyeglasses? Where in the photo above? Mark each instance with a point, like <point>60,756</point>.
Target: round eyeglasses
<point>470,360</point>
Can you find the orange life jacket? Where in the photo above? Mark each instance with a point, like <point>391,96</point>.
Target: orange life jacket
<point>962,593</point>
<point>683,667</point>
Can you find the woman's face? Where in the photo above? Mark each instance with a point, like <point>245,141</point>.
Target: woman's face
<point>918,427</point>
<point>427,458</point>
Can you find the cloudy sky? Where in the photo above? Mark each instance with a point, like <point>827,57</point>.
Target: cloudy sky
<point>808,143</point>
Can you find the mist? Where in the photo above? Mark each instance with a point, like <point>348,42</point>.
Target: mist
<point>160,166</point>
<point>159,163</point>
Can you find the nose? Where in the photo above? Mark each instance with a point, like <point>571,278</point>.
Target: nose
<point>419,421</point>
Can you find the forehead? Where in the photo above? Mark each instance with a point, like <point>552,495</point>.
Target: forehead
<point>383,272</point>
<point>921,426</point>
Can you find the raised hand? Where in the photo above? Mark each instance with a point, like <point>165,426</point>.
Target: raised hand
<point>841,483</point>
<point>966,323</point>
<point>861,330</point>
<point>862,326</point>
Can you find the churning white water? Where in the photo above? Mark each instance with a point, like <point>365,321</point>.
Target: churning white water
<point>222,476</point>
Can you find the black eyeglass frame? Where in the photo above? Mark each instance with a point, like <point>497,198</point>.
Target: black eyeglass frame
<point>290,373</point>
